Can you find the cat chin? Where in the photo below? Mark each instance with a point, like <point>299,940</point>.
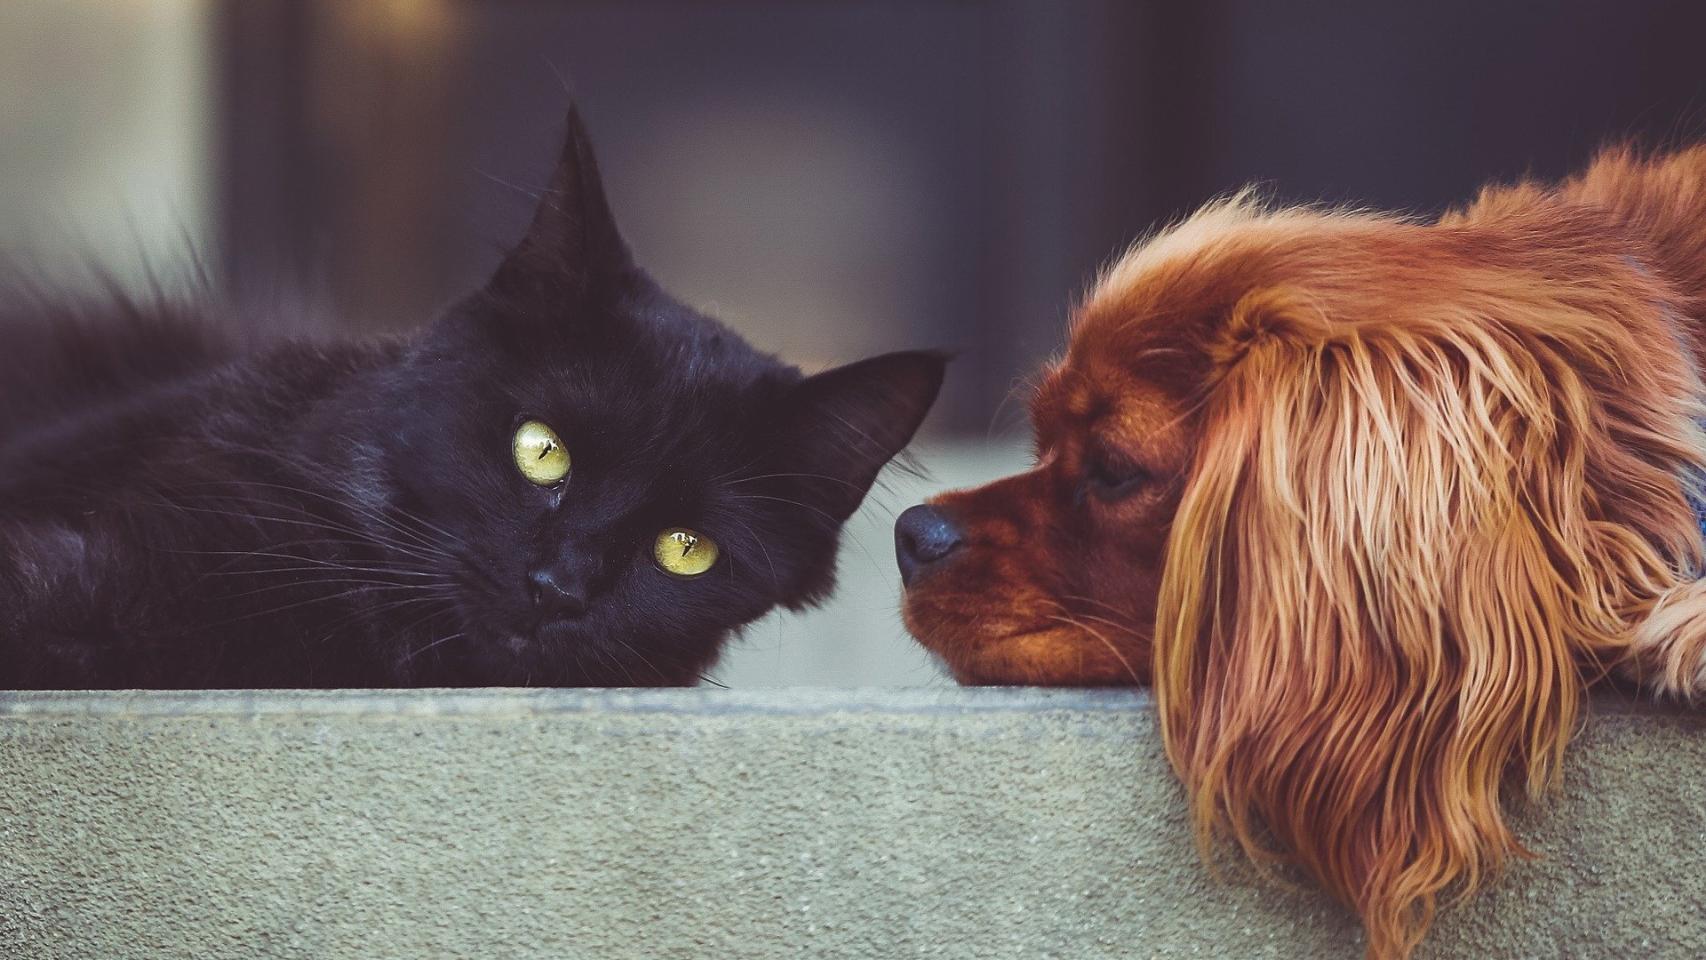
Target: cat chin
<point>550,636</point>
<point>599,658</point>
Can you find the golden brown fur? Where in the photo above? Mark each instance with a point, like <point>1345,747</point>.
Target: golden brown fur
<point>1405,491</point>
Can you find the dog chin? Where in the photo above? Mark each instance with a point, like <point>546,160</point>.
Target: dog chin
<point>1046,655</point>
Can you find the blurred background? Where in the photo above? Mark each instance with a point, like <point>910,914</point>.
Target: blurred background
<point>833,179</point>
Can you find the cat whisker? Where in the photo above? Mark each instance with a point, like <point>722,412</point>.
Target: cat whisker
<point>316,525</point>
<point>659,674</point>
<point>782,476</point>
<point>322,566</point>
<point>431,614</point>
<point>385,608</point>
<point>415,536</point>
<point>793,503</point>
<point>351,504</point>
<point>861,434</point>
<point>423,649</point>
<point>460,564</point>
<point>530,194</point>
<point>286,608</point>
<point>388,606</point>
<point>775,579</point>
<point>303,582</point>
<point>851,536</point>
<point>737,470</point>
<point>235,556</point>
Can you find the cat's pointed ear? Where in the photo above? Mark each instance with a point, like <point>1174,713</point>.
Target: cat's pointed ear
<point>844,424</point>
<point>572,243</point>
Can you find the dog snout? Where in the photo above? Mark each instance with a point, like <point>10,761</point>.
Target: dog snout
<point>923,537</point>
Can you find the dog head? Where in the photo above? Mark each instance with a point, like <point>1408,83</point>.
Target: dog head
<point>1368,501</point>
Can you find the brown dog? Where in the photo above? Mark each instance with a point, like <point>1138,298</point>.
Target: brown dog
<point>1371,502</point>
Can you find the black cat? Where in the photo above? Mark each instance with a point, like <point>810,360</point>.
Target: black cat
<point>569,479</point>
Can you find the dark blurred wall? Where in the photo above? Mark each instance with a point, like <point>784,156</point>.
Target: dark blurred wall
<point>840,178</point>
<point>1412,105</point>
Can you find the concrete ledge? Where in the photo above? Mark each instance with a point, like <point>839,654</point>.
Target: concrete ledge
<point>791,823</point>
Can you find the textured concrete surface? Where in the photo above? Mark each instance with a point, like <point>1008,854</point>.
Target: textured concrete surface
<point>702,823</point>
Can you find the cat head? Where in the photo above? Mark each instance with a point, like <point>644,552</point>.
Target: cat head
<point>620,479</point>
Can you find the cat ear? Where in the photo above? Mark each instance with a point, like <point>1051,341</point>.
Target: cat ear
<point>572,242</point>
<point>843,425</point>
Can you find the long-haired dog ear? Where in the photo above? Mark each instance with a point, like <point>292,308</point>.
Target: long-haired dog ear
<point>1402,552</point>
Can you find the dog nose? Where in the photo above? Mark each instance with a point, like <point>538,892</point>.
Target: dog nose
<point>923,537</point>
<point>557,592</point>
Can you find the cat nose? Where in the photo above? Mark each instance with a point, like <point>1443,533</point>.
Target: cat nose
<point>557,592</point>
<point>923,537</point>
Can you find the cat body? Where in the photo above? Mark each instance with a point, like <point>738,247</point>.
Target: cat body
<point>177,512</point>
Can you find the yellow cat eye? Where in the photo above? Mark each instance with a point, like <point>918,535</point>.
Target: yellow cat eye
<point>540,454</point>
<point>681,552</point>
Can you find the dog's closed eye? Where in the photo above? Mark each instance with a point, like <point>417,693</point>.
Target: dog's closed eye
<point>1110,478</point>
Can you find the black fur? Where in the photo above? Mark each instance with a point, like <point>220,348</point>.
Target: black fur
<point>178,513</point>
